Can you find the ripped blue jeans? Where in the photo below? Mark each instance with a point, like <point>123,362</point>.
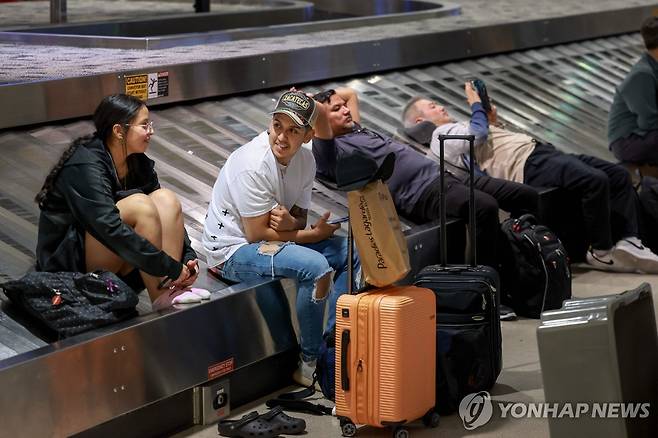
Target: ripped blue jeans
<point>306,263</point>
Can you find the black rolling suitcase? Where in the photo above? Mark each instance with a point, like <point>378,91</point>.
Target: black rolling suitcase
<point>468,337</point>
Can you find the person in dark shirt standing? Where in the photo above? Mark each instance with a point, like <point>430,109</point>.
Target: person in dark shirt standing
<point>633,117</point>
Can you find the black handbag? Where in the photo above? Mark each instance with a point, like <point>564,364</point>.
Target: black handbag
<point>68,303</point>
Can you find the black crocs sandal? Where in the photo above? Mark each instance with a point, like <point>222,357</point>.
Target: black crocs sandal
<point>287,425</point>
<point>249,426</point>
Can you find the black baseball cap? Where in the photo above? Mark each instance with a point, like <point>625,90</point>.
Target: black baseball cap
<point>298,106</point>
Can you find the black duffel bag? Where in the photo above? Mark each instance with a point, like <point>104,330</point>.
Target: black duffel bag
<point>542,278</point>
<point>68,303</point>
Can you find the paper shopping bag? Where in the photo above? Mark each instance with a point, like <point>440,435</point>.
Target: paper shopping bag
<point>377,233</point>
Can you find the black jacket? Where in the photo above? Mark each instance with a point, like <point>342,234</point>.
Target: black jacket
<point>84,199</point>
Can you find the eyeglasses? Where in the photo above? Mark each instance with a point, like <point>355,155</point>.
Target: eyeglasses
<point>145,126</point>
<point>324,96</point>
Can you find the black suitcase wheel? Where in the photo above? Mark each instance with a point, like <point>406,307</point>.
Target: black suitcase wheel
<point>400,432</point>
<point>347,428</point>
<point>431,419</point>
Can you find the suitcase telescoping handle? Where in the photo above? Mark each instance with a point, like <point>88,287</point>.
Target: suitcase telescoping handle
<point>350,259</point>
<point>471,197</point>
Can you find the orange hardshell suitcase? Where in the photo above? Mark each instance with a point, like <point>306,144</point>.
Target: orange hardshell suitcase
<point>386,358</point>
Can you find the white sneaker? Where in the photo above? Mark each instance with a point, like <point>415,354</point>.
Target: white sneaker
<point>303,375</point>
<point>636,256</point>
<point>608,262</point>
<point>506,313</point>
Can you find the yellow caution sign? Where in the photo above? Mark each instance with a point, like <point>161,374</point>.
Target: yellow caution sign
<point>148,85</point>
<point>137,85</point>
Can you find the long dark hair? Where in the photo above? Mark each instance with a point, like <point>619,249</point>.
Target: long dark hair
<point>115,109</point>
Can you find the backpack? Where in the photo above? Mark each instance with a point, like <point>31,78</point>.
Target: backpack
<point>325,371</point>
<point>542,278</point>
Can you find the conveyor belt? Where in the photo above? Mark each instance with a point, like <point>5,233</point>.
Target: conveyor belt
<point>47,83</point>
<point>559,95</point>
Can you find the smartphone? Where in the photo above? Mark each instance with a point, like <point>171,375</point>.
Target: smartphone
<point>338,220</point>
<point>481,88</point>
<point>165,283</point>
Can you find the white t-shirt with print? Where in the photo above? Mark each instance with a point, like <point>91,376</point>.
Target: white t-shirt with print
<point>250,184</point>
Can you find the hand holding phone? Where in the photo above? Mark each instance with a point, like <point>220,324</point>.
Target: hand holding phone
<point>168,282</point>
<point>481,88</point>
<point>338,220</point>
<point>192,267</point>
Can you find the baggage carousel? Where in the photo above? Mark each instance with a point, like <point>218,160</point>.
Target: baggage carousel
<point>558,94</point>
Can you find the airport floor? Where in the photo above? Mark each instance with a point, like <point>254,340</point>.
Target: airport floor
<point>520,380</point>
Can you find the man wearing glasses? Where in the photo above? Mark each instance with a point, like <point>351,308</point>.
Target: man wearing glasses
<point>414,184</point>
<point>257,217</point>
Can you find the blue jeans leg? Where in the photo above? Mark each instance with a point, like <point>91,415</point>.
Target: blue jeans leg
<point>335,251</point>
<point>302,263</point>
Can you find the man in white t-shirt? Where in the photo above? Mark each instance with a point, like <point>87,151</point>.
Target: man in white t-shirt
<point>256,221</point>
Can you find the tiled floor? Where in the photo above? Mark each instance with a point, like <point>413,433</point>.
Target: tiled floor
<point>520,380</point>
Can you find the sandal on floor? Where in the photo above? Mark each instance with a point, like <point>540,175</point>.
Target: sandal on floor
<point>287,425</point>
<point>251,425</point>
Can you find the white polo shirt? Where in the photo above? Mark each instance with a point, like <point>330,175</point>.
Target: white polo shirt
<point>250,184</point>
